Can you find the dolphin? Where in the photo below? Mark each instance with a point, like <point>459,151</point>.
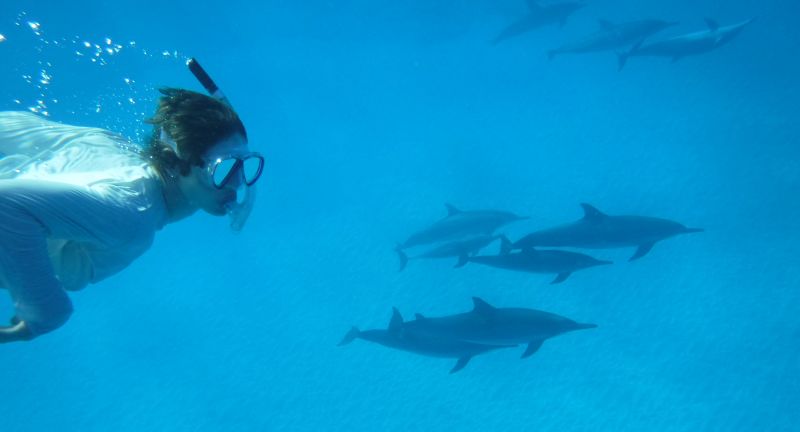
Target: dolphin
<point>458,225</point>
<point>597,230</point>
<point>612,36</point>
<point>539,16</point>
<point>412,337</point>
<point>686,45</point>
<point>457,248</point>
<point>486,324</point>
<point>531,260</point>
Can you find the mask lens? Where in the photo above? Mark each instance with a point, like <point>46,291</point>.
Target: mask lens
<point>252,167</point>
<point>223,170</point>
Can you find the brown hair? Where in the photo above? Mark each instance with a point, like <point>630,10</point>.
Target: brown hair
<point>195,122</point>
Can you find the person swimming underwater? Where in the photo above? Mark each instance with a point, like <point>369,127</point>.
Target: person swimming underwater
<point>79,204</point>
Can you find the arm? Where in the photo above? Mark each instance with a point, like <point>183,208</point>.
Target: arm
<point>15,332</point>
<point>30,212</point>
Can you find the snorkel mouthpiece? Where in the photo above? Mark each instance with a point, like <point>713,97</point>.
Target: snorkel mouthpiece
<point>239,208</point>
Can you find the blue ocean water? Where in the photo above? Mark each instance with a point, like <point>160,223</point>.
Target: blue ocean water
<point>372,115</point>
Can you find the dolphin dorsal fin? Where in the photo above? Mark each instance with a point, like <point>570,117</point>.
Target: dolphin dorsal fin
<point>534,6</point>
<point>452,210</point>
<point>606,24</point>
<point>712,24</point>
<point>396,322</point>
<point>481,307</point>
<point>590,213</point>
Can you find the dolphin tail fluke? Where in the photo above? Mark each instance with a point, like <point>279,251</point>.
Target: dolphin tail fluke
<point>463,259</point>
<point>693,230</point>
<point>350,336</point>
<point>505,245</point>
<point>533,346</point>
<point>402,257</point>
<point>560,278</point>
<point>641,251</point>
<point>460,364</point>
<point>582,326</point>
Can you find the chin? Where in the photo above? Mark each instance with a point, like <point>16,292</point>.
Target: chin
<point>217,210</point>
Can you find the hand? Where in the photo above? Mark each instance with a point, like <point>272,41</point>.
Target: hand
<point>18,331</point>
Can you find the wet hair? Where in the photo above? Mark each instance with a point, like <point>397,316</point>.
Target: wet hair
<point>195,122</point>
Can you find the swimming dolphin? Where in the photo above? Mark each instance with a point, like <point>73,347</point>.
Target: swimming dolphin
<point>685,45</point>
<point>411,337</point>
<point>531,260</point>
<point>486,324</point>
<point>597,230</point>
<point>457,248</point>
<point>612,36</point>
<point>458,225</point>
<point>539,16</point>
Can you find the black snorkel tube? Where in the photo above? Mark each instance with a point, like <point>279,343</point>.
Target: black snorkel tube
<point>206,81</point>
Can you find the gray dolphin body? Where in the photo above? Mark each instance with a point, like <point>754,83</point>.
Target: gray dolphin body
<point>539,16</point>
<point>458,225</point>
<point>562,263</point>
<point>689,44</point>
<point>453,249</point>
<point>612,36</point>
<point>489,325</point>
<point>412,337</point>
<point>597,230</point>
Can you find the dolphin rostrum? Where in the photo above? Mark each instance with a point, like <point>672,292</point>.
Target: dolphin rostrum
<point>612,36</point>
<point>686,45</point>
<point>597,230</point>
<point>489,325</point>
<point>412,337</point>
<point>531,260</point>
<point>539,16</point>
<point>457,248</point>
<point>459,225</point>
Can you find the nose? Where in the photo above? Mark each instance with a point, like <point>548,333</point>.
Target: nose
<point>237,177</point>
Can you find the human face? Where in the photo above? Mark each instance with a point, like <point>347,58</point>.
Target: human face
<point>199,187</point>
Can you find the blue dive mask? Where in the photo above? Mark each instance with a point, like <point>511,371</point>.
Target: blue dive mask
<point>239,170</point>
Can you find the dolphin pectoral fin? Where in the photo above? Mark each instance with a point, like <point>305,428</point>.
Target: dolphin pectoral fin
<point>460,364</point>
<point>533,346</point>
<point>560,278</point>
<point>641,251</point>
<point>463,259</point>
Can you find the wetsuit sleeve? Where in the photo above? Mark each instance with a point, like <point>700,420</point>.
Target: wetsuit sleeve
<point>30,212</point>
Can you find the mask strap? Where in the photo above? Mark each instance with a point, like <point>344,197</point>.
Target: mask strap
<point>166,139</point>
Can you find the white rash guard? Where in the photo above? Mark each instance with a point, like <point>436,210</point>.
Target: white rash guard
<point>77,205</point>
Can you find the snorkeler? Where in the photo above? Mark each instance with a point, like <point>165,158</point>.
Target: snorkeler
<point>79,204</point>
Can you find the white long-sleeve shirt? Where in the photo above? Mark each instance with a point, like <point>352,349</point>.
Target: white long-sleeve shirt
<point>77,205</point>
